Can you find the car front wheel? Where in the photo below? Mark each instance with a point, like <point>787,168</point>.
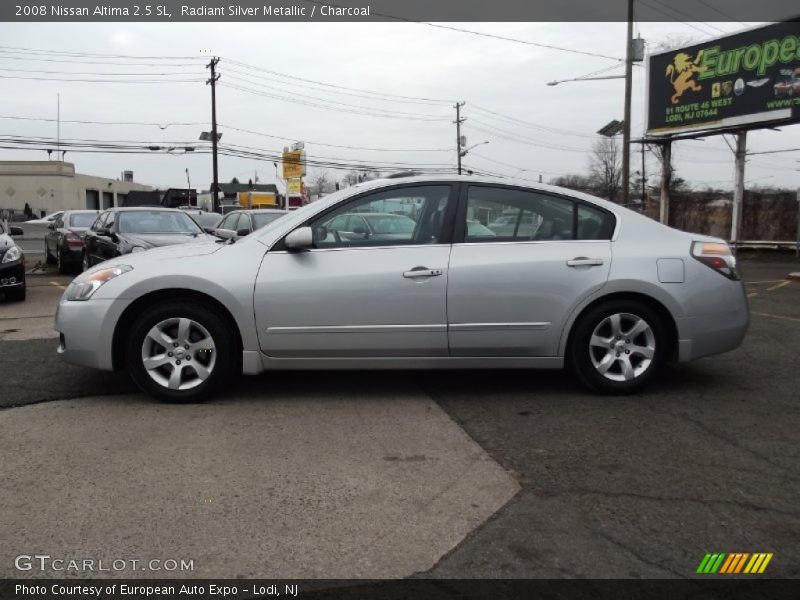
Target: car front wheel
<point>180,353</point>
<point>617,346</point>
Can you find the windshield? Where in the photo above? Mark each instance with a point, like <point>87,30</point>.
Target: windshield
<point>156,221</point>
<point>261,219</point>
<point>82,219</point>
<point>208,219</point>
<point>390,224</point>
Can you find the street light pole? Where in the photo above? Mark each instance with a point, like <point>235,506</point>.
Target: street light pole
<point>626,124</point>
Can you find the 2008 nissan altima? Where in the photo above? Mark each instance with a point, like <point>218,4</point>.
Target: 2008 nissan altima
<point>542,277</point>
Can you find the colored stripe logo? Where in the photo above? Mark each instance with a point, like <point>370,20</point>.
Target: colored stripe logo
<point>734,563</point>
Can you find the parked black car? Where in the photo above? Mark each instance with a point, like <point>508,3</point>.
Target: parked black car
<point>119,231</point>
<point>12,264</point>
<point>240,223</point>
<point>63,242</point>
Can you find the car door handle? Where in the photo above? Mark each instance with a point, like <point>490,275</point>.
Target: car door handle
<point>417,272</point>
<point>582,261</point>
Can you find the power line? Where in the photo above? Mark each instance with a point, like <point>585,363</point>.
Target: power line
<point>672,18</point>
<point>283,137</point>
<point>39,52</point>
<point>332,85</point>
<point>483,34</point>
<point>100,80</point>
<point>132,74</point>
<point>87,122</point>
<point>336,102</point>
<point>537,126</point>
<point>360,111</point>
<point>318,88</point>
<point>98,62</point>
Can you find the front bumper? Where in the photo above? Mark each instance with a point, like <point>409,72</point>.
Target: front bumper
<point>87,331</point>
<point>12,274</point>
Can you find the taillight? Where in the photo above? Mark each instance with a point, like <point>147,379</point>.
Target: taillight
<point>718,256</point>
<point>73,240</point>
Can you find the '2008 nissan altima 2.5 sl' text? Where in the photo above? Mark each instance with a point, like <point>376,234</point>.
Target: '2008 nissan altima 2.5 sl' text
<point>388,274</point>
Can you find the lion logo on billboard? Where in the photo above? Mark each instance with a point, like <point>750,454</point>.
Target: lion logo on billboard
<point>684,68</point>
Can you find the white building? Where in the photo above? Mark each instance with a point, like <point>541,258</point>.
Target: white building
<point>47,186</point>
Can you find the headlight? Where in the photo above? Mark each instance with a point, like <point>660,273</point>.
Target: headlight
<point>84,286</point>
<point>12,254</point>
<point>138,249</point>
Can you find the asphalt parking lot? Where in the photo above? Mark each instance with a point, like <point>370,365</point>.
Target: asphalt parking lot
<point>510,473</point>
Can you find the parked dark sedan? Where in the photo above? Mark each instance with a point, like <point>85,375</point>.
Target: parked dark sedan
<point>12,265</point>
<point>63,242</point>
<point>119,231</point>
<point>240,223</point>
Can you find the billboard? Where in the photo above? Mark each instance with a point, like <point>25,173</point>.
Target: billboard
<point>745,80</point>
<point>293,163</point>
<point>294,187</point>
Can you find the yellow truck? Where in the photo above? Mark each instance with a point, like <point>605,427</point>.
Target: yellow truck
<point>258,200</point>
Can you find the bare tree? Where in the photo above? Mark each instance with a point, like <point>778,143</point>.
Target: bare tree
<point>321,183</point>
<point>605,167</point>
<point>573,181</point>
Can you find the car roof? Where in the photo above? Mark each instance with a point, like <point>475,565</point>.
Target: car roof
<point>142,208</point>
<point>376,184</point>
<point>256,211</point>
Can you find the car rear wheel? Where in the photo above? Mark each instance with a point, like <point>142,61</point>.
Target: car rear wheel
<point>62,268</point>
<point>618,346</point>
<point>180,353</point>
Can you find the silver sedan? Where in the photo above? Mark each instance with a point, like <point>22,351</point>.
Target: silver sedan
<point>481,273</point>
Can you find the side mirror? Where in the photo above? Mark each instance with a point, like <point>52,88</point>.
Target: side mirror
<point>225,234</point>
<point>243,232</point>
<point>16,230</point>
<point>51,225</point>
<point>301,238</point>
<point>210,230</point>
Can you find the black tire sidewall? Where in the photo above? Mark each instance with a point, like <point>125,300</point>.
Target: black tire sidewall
<point>216,326</point>
<point>579,360</point>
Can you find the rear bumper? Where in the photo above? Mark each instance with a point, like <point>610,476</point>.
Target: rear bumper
<point>718,331</point>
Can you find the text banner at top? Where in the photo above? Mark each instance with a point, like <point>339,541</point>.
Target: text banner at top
<point>687,11</point>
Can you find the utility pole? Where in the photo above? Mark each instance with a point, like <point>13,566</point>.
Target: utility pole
<point>738,188</point>
<point>666,180</point>
<point>214,137</point>
<point>626,125</point>
<point>458,122</point>
<point>644,181</point>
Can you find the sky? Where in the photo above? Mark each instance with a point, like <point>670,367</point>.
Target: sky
<point>532,129</point>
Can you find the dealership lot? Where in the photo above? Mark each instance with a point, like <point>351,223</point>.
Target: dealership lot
<point>371,474</point>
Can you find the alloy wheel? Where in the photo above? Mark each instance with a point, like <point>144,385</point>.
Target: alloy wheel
<point>622,347</point>
<point>179,353</point>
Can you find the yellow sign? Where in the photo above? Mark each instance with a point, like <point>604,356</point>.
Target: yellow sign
<point>293,164</point>
<point>294,187</point>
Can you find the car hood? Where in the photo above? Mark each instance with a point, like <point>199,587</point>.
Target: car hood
<point>156,240</point>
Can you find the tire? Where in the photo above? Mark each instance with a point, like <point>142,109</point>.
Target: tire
<point>62,268</point>
<point>47,258</point>
<point>211,346</point>
<point>607,357</point>
<point>17,294</point>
